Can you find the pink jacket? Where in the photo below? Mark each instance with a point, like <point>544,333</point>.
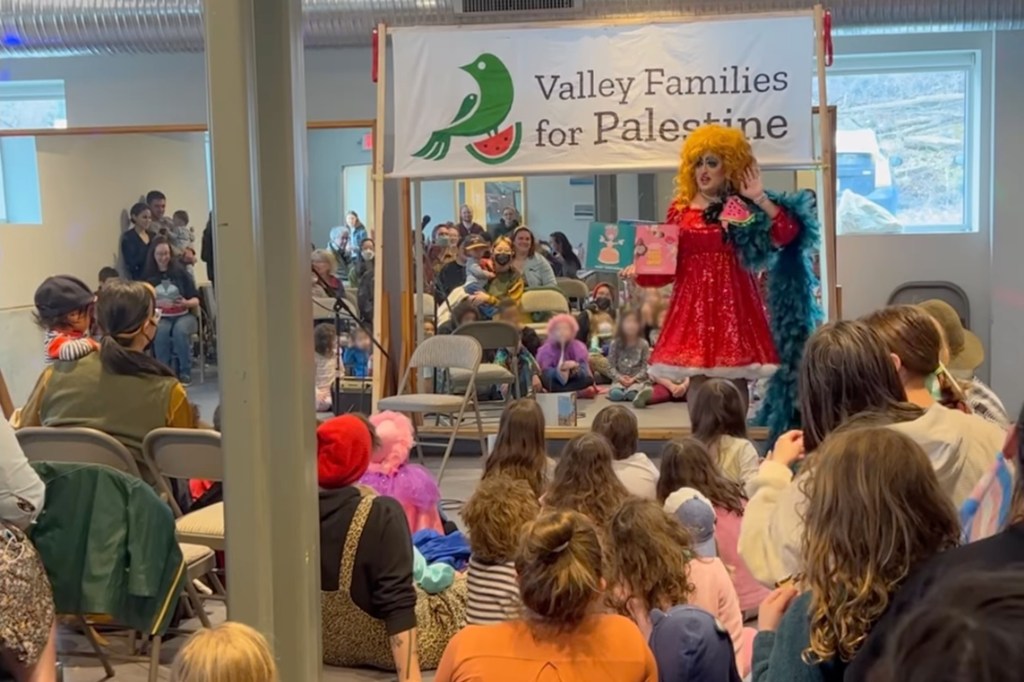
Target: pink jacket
<point>713,592</point>
<point>727,536</point>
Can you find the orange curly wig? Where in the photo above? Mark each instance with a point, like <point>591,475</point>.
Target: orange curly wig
<point>729,144</point>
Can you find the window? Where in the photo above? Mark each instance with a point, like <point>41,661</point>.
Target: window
<point>32,104</point>
<point>905,138</point>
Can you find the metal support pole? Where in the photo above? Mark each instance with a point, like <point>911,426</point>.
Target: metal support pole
<point>257,126</point>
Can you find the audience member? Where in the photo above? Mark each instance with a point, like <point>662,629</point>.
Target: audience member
<point>180,233</point>
<point>479,270</point>
<point>358,357</point>
<point>718,416</point>
<point>463,312</point>
<point>875,512</point>
<point>338,243</point>
<point>28,627</point>
<point>635,469</point>
<point>452,274</point>
<point>359,232</point>
<point>365,275</point>
<point>176,299</point>
<point>526,363</point>
<point>207,250</point>
<point>563,632</point>
<point>162,223</point>
<point>688,464</point>
<point>324,275</point>
<point>512,312</point>
<point>107,273</point>
<point>437,253</point>
<point>121,390</point>
<point>534,268</point>
<point>507,283</point>
<point>64,308</point>
<point>654,562</point>
<point>228,652</point>
<point>467,226</point>
<point>371,612</point>
<point>585,481</point>
<point>1001,550</point>
<point>520,448</point>
<point>135,241</point>
<point>495,517</point>
<point>964,354</point>
<point>325,355</point>
<point>506,224</point>
<point>564,255</point>
<point>969,630</point>
<point>627,360</point>
<point>847,369</point>
<point>564,360</point>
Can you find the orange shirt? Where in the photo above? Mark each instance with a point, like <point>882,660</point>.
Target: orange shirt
<point>604,647</point>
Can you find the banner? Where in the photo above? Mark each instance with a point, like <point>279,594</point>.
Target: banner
<point>590,98</point>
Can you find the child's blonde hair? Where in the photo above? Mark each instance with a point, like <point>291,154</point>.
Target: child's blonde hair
<point>230,652</point>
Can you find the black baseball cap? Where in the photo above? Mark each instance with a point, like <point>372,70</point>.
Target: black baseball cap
<point>62,294</point>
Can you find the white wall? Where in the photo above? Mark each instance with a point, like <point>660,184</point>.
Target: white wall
<point>86,185</point>
<point>329,152</point>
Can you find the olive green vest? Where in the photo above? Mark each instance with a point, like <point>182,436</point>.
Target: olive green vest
<point>81,393</point>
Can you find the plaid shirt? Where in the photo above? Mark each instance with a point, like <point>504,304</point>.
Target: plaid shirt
<point>985,403</point>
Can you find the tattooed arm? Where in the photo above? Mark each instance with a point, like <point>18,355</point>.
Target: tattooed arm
<point>407,663</point>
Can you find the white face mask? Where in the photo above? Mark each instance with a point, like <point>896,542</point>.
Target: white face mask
<point>367,255</point>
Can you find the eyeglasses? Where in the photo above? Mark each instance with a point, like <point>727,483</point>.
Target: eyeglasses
<point>157,314</point>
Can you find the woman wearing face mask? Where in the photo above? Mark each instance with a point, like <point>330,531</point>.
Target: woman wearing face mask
<point>120,390</point>
<point>176,298</point>
<point>729,228</point>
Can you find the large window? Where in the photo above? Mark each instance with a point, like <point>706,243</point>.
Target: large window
<point>905,140</point>
<point>32,104</point>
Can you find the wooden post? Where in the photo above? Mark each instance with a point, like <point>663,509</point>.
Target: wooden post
<point>379,308</point>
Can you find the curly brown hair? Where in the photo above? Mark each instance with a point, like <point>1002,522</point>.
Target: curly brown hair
<point>520,450</point>
<point>875,512</point>
<point>495,517</point>
<point>687,463</point>
<point>649,551</point>
<point>585,481</point>
<point>561,569</point>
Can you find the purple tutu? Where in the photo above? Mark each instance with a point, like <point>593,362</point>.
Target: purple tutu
<point>411,485</point>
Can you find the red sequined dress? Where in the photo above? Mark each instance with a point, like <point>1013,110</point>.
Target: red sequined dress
<point>716,324</point>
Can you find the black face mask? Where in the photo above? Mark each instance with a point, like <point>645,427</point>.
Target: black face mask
<point>503,259</point>
<point>603,304</point>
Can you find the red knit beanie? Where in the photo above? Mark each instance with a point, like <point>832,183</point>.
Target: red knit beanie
<point>342,451</point>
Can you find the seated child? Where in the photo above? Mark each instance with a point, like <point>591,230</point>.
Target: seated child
<point>64,306</point>
<point>325,346</point>
<point>628,359</point>
<point>479,270</point>
<point>718,415</point>
<point>180,234</point>
<point>495,517</point>
<point>107,273</point>
<point>390,473</point>
<point>564,360</point>
<point>358,356</point>
<point>463,312</point>
<point>529,370</point>
<point>635,469</point>
<point>229,651</point>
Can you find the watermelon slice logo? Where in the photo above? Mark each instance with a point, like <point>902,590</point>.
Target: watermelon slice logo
<point>481,115</point>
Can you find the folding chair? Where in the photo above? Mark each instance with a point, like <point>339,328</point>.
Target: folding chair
<point>492,335</point>
<point>575,290</point>
<point>446,353</point>
<point>917,292</point>
<point>543,303</point>
<point>76,444</point>
<point>200,339</point>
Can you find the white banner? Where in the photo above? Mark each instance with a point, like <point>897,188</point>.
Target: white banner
<point>597,98</point>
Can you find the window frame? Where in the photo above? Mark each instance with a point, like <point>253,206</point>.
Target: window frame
<point>970,62</point>
<point>40,90</point>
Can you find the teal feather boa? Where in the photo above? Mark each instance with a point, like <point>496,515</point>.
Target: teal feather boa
<point>793,309</point>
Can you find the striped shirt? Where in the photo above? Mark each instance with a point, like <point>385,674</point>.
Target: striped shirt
<point>984,402</point>
<point>493,593</point>
<point>66,346</point>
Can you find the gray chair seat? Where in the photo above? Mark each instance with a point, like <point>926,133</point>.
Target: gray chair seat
<point>422,402</point>
<point>489,373</point>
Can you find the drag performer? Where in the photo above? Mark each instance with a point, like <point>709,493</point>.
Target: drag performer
<point>729,229</point>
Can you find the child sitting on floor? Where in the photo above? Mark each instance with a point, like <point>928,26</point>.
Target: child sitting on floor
<point>357,357</point>
<point>718,415</point>
<point>64,307</point>
<point>563,359</point>
<point>390,473</point>
<point>325,347</point>
<point>229,651</point>
<point>495,517</point>
<point>529,370</point>
<point>635,469</point>
<point>628,359</point>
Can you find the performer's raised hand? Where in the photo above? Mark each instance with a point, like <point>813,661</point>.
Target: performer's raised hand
<point>752,187</point>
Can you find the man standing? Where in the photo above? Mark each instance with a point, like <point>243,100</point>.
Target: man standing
<point>157,202</point>
<point>466,225</point>
<point>509,221</point>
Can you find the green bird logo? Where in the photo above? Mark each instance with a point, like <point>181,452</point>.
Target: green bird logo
<point>481,114</point>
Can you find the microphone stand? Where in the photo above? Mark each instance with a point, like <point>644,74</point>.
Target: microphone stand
<point>340,304</point>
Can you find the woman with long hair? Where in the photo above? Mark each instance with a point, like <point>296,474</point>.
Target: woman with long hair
<point>585,480</point>
<point>564,255</point>
<point>534,267</point>
<point>135,240</point>
<point>520,449</point>
<point>875,513</point>
<point>654,567</point>
<point>176,298</point>
<point>121,390</point>
<point>560,565</point>
<point>687,463</point>
<point>718,415</point>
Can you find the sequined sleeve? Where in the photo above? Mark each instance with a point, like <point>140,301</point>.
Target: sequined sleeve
<point>784,228</point>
